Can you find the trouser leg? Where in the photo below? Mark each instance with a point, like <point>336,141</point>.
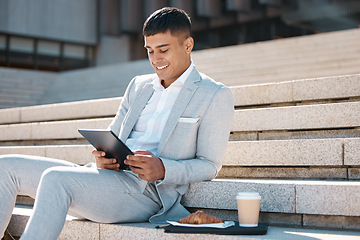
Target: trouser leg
<point>96,194</point>
<point>20,174</point>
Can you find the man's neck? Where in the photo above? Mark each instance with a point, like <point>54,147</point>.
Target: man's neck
<point>166,84</point>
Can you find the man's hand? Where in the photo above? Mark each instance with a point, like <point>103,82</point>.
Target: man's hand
<point>105,163</point>
<point>149,167</point>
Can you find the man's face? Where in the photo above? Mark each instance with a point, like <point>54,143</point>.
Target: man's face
<point>168,56</point>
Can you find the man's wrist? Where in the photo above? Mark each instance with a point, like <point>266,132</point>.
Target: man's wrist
<point>162,175</point>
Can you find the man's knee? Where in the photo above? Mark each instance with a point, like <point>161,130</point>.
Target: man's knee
<point>54,176</point>
<point>9,157</point>
<point>9,160</point>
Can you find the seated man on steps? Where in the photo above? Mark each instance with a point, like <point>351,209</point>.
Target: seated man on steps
<point>178,118</point>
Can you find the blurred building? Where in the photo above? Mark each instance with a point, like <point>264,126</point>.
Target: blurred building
<point>60,35</point>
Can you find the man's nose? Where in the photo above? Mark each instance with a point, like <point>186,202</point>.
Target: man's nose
<point>155,58</point>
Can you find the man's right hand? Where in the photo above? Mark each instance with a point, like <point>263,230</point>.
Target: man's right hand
<point>104,163</point>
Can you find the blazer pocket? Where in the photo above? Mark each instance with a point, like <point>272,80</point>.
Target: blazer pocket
<point>188,120</point>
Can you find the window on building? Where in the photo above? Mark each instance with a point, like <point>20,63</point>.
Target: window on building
<point>43,54</point>
<point>2,49</point>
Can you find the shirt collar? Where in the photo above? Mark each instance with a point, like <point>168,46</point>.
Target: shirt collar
<point>178,82</point>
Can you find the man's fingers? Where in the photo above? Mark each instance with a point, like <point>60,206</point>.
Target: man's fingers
<point>139,157</point>
<point>136,170</point>
<point>107,161</point>
<point>137,161</point>
<point>133,163</point>
<point>112,166</point>
<point>97,153</point>
<point>104,163</point>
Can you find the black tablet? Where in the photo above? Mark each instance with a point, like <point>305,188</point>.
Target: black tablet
<point>108,142</point>
<point>261,229</point>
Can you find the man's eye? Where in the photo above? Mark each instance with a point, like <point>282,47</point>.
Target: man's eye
<point>150,52</point>
<point>163,51</point>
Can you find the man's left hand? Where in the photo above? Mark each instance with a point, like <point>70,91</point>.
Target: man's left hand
<point>148,167</point>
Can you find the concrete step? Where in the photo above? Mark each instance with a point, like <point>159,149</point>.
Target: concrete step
<point>259,123</point>
<point>12,103</point>
<point>319,116</point>
<point>27,99</point>
<point>50,130</point>
<point>23,87</point>
<point>302,152</point>
<point>18,77</point>
<point>280,59</point>
<point>290,172</point>
<point>284,64</point>
<point>278,159</point>
<point>336,152</point>
<point>97,82</point>
<point>314,43</point>
<point>332,198</point>
<point>15,98</point>
<point>328,88</point>
<point>235,79</point>
<point>62,111</point>
<point>79,154</point>
<point>81,229</point>
<point>276,49</point>
<point>291,69</point>
<point>18,95</point>
<point>17,86</point>
<point>292,92</point>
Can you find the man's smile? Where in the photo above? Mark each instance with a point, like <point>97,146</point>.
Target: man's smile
<point>162,67</point>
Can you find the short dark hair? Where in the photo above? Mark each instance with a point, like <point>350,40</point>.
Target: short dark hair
<point>168,18</point>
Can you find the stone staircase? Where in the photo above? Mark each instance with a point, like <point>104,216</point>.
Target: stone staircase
<point>93,83</point>
<point>295,142</point>
<point>319,55</point>
<point>23,87</point>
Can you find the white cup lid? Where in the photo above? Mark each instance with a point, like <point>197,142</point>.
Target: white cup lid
<point>248,195</point>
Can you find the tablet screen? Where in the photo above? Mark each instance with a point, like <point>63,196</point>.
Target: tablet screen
<point>108,142</point>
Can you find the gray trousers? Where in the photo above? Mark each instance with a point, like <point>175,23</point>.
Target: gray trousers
<point>60,187</point>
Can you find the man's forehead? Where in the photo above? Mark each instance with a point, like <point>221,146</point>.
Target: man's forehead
<point>159,40</point>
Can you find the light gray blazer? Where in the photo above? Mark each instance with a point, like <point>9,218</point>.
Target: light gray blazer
<point>194,137</point>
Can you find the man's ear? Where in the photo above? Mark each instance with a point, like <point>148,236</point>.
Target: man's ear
<point>189,44</point>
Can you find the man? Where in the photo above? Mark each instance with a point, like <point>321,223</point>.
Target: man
<point>179,118</point>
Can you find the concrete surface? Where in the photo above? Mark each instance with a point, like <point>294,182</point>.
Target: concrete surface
<point>77,229</point>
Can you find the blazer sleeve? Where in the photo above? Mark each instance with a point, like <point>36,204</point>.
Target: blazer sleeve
<point>212,138</point>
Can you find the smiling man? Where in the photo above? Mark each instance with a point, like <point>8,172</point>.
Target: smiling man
<point>183,120</point>
<point>177,123</point>
<point>168,49</point>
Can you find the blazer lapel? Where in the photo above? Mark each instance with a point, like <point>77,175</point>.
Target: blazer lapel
<point>135,111</point>
<point>181,103</point>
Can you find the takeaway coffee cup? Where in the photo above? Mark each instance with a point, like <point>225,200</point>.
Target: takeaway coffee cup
<point>248,204</point>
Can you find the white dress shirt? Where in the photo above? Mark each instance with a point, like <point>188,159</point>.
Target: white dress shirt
<point>148,129</point>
